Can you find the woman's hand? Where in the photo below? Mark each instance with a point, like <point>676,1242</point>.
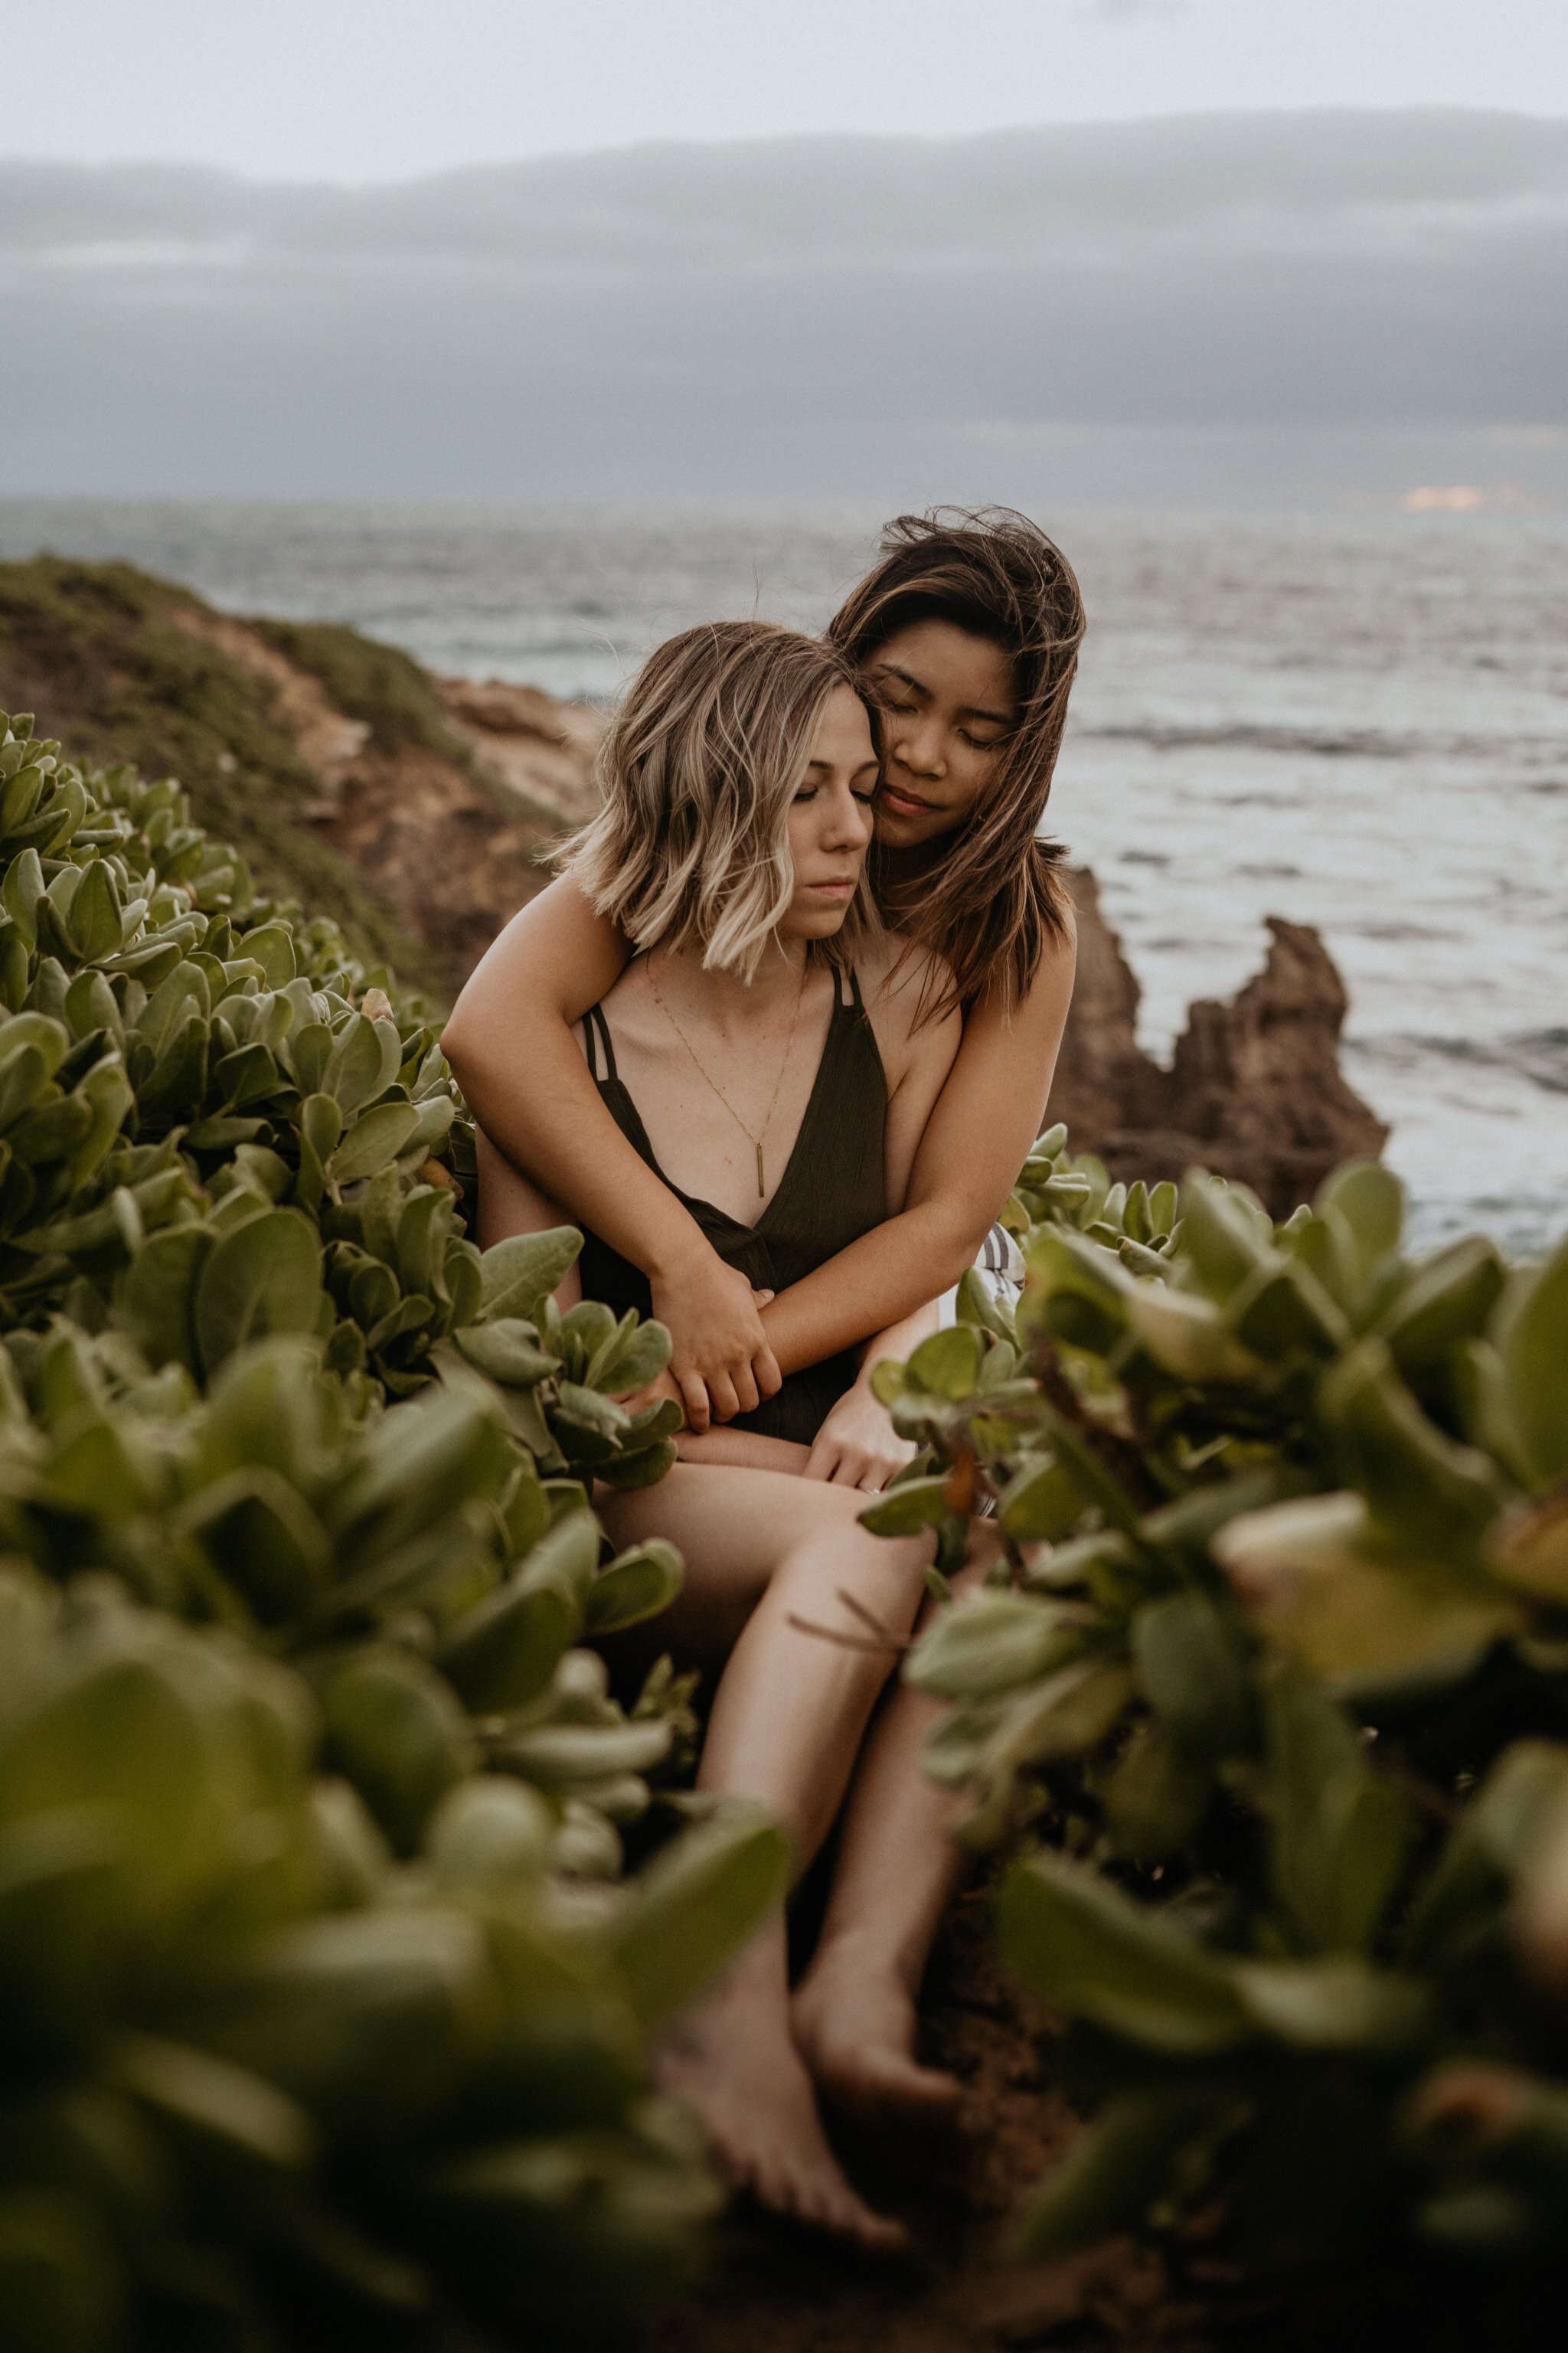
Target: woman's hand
<point>858,1445</point>
<point>720,1358</point>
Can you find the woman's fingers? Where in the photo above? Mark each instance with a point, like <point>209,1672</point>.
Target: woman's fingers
<point>746,1389</point>
<point>766,1374</point>
<point>715,1330</point>
<point>821,1462</point>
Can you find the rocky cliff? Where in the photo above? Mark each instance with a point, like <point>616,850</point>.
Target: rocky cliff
<point>416,809</point>
<point>419,809</point>
<point>1254,1091</point>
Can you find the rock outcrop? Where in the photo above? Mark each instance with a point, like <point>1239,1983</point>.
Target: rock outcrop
<point>1254,1092</point>
<point>451,834</point>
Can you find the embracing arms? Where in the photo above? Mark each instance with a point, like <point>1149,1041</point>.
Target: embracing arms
<point>509,1042</point>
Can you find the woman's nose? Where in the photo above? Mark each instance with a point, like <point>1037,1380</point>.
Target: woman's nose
<point>922,750</point>
<point>849,822</point>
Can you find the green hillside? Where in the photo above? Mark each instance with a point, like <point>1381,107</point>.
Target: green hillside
<point>98,651</point>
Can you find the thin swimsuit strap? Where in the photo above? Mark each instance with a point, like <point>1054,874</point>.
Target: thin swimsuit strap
<point>596,1037</point>
<point>846,1021</point>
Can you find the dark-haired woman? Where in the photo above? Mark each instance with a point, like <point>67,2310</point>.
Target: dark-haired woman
<point>966,635</point>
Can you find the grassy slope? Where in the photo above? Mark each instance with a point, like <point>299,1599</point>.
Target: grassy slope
<point>90,649</point>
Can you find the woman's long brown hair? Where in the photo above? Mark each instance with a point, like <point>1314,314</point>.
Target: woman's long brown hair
<point>993,905</point>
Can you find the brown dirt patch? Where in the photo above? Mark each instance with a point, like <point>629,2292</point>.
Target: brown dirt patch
<point>773,2290</point>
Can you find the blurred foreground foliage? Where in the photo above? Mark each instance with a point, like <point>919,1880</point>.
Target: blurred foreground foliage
<point>325,1980</point>
<point>1267,1699</point>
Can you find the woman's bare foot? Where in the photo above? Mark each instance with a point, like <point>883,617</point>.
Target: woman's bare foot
<point>735,2064</point>
<point>855,2026</point>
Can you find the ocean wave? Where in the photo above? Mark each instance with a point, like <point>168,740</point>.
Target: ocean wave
<point>1539,1055</point>
<point>1331,743</point>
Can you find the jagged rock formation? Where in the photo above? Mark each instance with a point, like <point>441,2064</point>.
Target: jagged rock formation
<point>1254,1091</point>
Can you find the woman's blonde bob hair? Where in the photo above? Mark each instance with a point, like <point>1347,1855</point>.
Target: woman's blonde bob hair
<point>699,767</point>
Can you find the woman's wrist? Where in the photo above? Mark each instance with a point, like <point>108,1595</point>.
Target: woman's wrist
<point>678,1251</point>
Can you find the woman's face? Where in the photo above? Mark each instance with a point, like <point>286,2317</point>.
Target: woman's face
<point>830,819</point>
<point>949,705</point>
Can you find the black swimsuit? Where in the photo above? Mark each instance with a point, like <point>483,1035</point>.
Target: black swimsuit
<point>832,1192</point>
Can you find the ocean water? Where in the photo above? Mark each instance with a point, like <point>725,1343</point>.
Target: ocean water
<point>1359,722</point>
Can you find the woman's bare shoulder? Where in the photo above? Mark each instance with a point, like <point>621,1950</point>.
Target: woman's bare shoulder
<point>902,983</point>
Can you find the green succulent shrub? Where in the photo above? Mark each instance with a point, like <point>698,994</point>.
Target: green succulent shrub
<point>267,2086</point>
<point>1267,1699</point>
<point>326,1981</point>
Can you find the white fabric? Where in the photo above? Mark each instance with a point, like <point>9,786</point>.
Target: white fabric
<point>1000,1266</point>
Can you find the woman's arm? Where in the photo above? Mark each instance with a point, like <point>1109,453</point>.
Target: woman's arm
<point>509,1042</point>
<point>858,1445</point>
<point>975,1142</point>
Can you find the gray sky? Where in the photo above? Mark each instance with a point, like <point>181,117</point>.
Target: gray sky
<point>387,89</point>
<point>1250,308</point>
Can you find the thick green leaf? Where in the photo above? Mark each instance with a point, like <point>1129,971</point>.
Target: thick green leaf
<point>524,1268</point>
<point>217,2112</point>
<point>1114,2173</point>
<point>1225,1236</point>
<point>993,1642</point>
<point>155,1296</point>
<point>692,1908</point>
<point>508,1350</point>
<point>1534,1344</point>
<point>1339,1832</point>
<point>636,1585</point>
<point>502,1653</point>
<point>1347,1607</point>
<point>1423,1489</point>
<point>396,1732</point>
<point>908,1507</point>
<point>1187,1336</point>
<point>265,1277</point>
<point>490,1831</point>
<point>1095,1954</point>
<point>1370,1200</point>
<point>373,1141</point>
<point>947,1363</point>
<point>1192,1667</point>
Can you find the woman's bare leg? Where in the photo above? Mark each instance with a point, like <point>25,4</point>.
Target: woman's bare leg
<point>856,2013</point>
<point>788,1716</point>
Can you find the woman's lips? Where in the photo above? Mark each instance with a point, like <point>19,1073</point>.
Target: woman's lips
<point>903,804</point>
<point>834,889</point>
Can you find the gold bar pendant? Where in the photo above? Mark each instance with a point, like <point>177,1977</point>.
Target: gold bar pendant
<point>762,1181</point>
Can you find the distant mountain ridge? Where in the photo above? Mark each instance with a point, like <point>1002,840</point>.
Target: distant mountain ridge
<point>817,317</point>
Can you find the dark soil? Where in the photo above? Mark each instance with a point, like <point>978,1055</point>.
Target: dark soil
<point>772,2290</point>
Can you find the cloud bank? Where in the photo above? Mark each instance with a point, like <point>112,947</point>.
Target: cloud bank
<point>828,318</point>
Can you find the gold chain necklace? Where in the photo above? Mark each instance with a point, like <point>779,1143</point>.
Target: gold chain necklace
<point>755,1141</point>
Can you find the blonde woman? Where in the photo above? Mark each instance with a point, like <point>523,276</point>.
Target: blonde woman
<point>766,1058</point>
